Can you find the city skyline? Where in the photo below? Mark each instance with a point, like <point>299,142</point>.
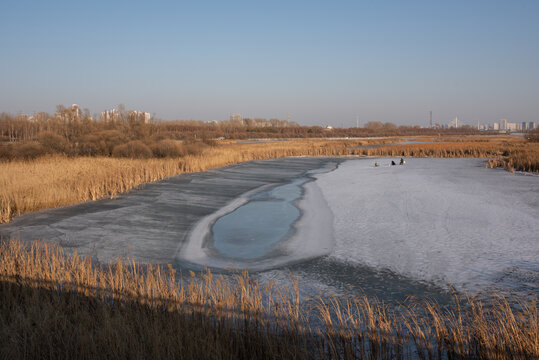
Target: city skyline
<point>313,62</point>
<point>249,119</point>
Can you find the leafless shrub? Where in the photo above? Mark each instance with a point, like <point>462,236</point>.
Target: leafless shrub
<point>195,148</point>
<point>167,148</point>
<point>28,150</point>
<point>533,136</point>
<point>100,143</point>
<point>133,149</point>
<point>52,143</point>
<point>6,152</point>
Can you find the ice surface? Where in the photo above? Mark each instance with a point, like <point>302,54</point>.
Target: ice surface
<point>437,220</point>
<point>252,230</point>
<point>248,241</point>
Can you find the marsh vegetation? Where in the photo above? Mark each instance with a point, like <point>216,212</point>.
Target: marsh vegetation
<point>57,306</point>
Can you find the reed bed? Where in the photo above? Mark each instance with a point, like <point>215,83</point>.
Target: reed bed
<point>513,154</point>
<point>524,158</point>
<point>54,306</point>
<point>54,181</point>
<point>440,150</point>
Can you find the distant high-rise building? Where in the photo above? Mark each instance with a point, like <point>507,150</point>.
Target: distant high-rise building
<point>76,110</point>
<point>147,117</point>
<point>512,126</point>
<point>524,125</point>
<point>531,125</point>
<point>454,123</point>
<point>503,124</point>
<point>236,117</point>
<point>110,115</point>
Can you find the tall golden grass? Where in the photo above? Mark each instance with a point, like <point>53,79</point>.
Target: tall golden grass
<point>511,154</point>
<point>525,158</point>
<point>53,306</point>
<point>54,181</point>
<point>47,182</point>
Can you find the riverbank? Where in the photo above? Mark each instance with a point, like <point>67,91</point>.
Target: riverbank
<point>49,182</point>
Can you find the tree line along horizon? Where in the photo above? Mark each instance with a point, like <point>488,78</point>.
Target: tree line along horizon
<point>128,133</point>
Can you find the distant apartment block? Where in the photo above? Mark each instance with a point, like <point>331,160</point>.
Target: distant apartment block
<point>143,116</point>
<point>503,124</point>
<point>69,114</point>
<point>114,115</point>
<point>512,126</point>
<point>76,110</point>
<point>236,117</point>
<point>109,115</point>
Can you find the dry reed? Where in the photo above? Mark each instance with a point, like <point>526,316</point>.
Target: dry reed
<point>54,181</point>
<point>52,306</point>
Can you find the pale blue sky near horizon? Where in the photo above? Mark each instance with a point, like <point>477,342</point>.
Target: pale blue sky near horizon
<point>322,62</point>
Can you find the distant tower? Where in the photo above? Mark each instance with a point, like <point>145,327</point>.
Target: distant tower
<point>357,121</point>
<point>430,119</point>
<point>503,124</point>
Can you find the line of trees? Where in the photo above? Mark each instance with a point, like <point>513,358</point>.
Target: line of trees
<point>72,131</point>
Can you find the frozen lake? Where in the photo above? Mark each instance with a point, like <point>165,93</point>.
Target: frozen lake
<point>339,225</point>
<point>442,221</point>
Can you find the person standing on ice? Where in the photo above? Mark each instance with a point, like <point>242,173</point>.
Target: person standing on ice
<point>402,161</point>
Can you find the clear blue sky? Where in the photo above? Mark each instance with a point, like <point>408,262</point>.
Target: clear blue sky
<point>324,62</point>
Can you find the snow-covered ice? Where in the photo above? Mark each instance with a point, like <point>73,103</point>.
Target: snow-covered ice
<point>437,220</point>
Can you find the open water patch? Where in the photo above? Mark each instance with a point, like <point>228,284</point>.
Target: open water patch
<point>255,228</point>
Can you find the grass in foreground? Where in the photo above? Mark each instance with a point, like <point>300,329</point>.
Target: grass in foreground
<point>52,306</point>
